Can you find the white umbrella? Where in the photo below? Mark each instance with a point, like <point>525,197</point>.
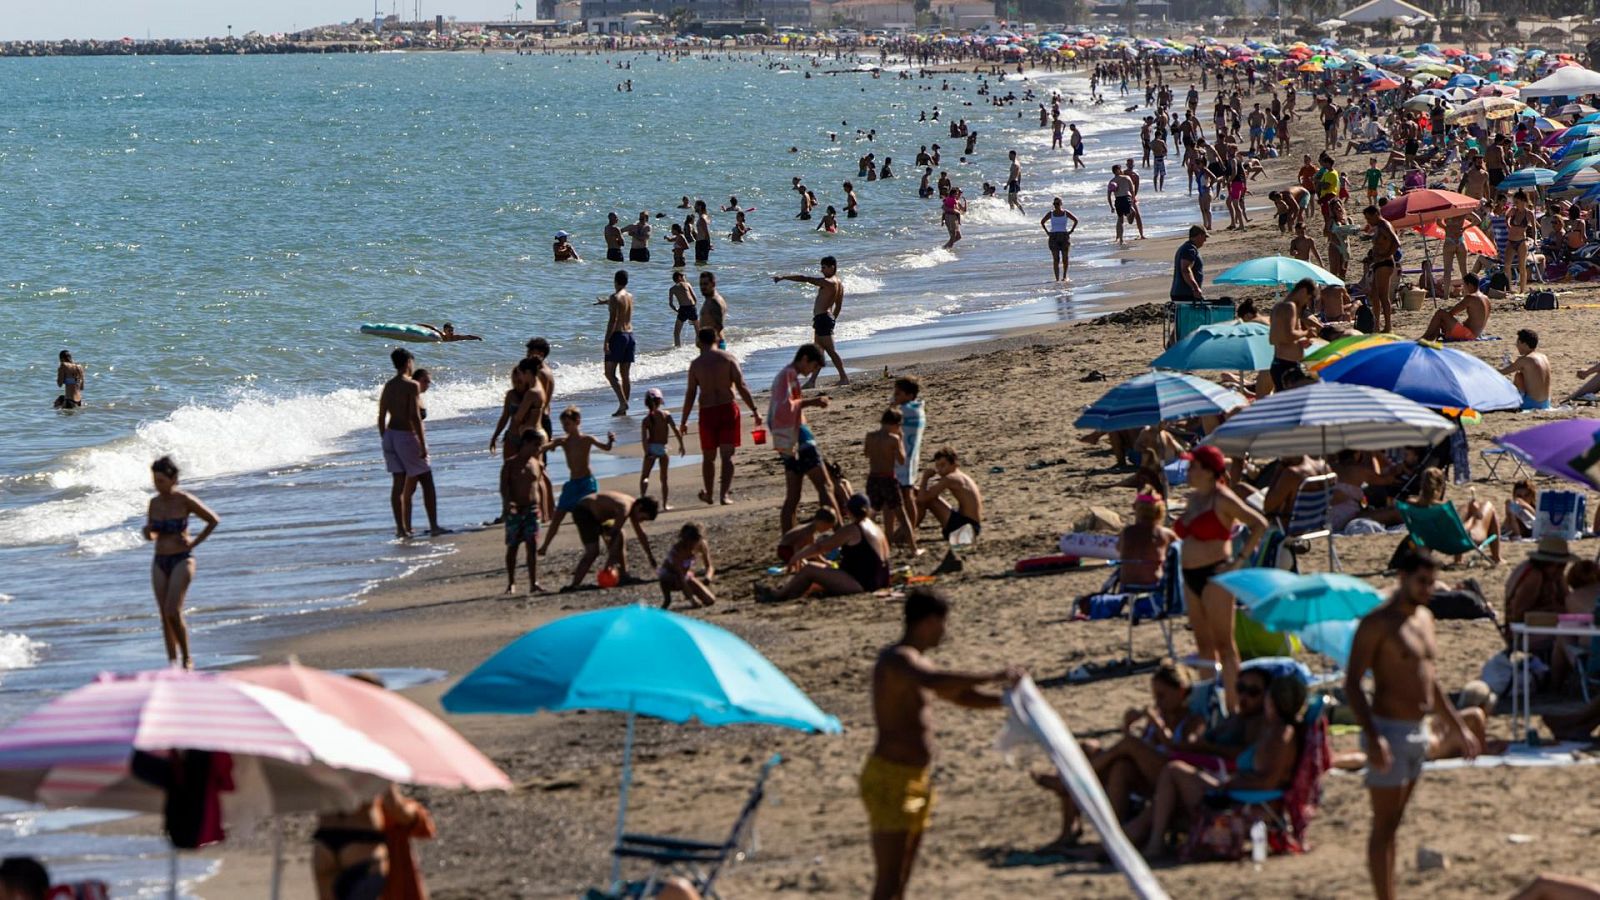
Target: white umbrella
<point>1568,81</point>
<point>1326,417</point>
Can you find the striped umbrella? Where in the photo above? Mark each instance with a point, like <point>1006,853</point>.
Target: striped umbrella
<point>1326,417</point>
<point>1156,397</point>
<point>76,749</point>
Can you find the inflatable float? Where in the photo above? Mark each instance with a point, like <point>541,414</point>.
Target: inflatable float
<point>414,333</point>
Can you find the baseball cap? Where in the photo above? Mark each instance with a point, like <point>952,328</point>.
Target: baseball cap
<point>1209,458</point>
<point>562,234</point>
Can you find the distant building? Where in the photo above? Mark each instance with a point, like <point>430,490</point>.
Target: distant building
<point>901,14</point>
<point>775,12</point>
<point>1379,10</point>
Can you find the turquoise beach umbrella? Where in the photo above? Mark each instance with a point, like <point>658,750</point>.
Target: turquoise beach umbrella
<point>1526,178</point>
<point>1239,347</point>
<point>1277,270</point>
<point>639,661</point>
<point>1156,397</point>
<point>1283,601</point>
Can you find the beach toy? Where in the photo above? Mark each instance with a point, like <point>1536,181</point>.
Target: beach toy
<point>415,334</point>
<point>607,577</point>
<point>758,435</point>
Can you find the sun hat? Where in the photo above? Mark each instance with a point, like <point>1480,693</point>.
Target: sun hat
<point>1552,549</point>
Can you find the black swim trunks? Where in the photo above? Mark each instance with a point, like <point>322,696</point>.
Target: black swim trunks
<point>884,492</point>
<point>1281,369</point>
<point>688,313</point>
<point>822,324</point>
<point>614,254</point>
<point>589,530</point>
<point>702,250</point>
<point>638,254</point>
<point>1060,240</point>
<point>1124,206</point>
<point>805,459</point>
<point>955,522</point>
<point>621,348</point>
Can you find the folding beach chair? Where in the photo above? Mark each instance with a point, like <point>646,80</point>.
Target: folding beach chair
<point>1139,603</point>
<point>1438,528</point>
<point>1495,457</point>
<point>1308,518</point>
<point>698,861</point>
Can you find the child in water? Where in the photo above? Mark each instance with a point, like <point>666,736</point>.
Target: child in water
<point>740,229</point>
<point>677,570</point>
<point>657,425</point>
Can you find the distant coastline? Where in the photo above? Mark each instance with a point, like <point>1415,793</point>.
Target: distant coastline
<point>181,47</point>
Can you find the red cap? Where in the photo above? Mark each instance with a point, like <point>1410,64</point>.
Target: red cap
<point>1209,458</point>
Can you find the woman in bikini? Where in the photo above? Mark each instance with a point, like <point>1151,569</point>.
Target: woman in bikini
<point>1519,225</point>
<point>863,560</point>
<point>1206,529</point>
<point>349,857</point>
<point>167,524</point>
<point>1480,520</point>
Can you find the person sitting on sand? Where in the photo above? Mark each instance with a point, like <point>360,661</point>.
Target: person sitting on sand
<point>563,249</point>
<point>1132,764</point>
<point>1265,766</point>
<point>1475,704</point>
<point>677,570</point>
<point>863,560</point>
<point>521,481</point>
<point>1530,371</point>
<point>1444,325</point>
<point>1142,545</point>
<point>822,522</point>
<point>1480,519</point>
<point>1521,511</point>
<point>946,476</point>
<point>447,333</point>
<point>602,515</point>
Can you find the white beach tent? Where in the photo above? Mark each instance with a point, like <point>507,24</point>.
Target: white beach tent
<point>1378,10</point>
<point>1567,81</point>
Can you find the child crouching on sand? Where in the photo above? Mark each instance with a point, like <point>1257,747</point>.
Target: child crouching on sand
<point>677,570</point>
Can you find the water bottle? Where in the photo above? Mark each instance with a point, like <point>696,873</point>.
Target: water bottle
<point>1258,843</point>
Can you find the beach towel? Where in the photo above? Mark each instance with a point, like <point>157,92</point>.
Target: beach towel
<point>1030,720</point>
<point>1522,756</point>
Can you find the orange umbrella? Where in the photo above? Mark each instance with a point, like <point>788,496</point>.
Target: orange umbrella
<point>1477,242</point>
<point>1383,84</point>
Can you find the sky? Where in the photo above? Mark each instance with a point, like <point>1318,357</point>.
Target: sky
<point>111,19</point>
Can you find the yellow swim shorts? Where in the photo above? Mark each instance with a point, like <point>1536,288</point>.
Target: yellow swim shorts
<point>898,797</point>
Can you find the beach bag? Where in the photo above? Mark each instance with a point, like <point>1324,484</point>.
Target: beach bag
<point>1464,602</point>
<point>1365,322</point>
<point>1561,514</point>
<point>1541,300</point>
<point>1254,640</point>
<point>1498,281</point>
<point>1218,835</point>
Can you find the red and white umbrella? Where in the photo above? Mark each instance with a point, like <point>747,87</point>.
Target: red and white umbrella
<point>1426,205</point>
<point>1473,236</point>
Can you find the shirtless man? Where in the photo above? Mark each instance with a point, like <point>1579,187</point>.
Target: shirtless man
<point>1014,184</point>
<point>613,239</point>
<point>619,343</point>
<point>521,486</point>
<point>824,312</point>
<point>1444,326</point>
<point>639,239</point>
<point>896,782</point>
<point>702,234</point>
<point>1288,335</point>
<point>69,377</point>
<point>602,515</point>
<point>1455,249</point>
<point>713,308</point>
<point>946,476</point>
<point>1119,196</point>
<point>1301,246</point>
<point>447,333</point>
<point>405,446</point>
<point>1132,172</point>
<point>1396,641</point>
<point>714,376</point>
<point>1381,258</point>
<point>1530,371</point>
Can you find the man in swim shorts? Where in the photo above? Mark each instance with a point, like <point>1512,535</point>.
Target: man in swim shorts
<point>1530,371</point>
<point>896,781</point>
<point>1474,305</point>
<point>714,377</point>
<point>639,239</point>
<point>619,343</point>
<point>613,239</point>
<point>405,446</point>
<point>601,517</point>
<point>1014,184</point>
<point>702,234</point>
<point>946,476</point>
<point>825,310</point>
<point>1396,642</point>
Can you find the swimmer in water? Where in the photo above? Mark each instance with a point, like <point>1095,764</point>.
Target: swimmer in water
<point>69,377</point>
<point>447,333</point>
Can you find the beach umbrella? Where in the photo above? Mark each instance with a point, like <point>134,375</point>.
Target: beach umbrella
<point>1427,205</point>
<point>1573,166</point>
<point>1581,147</point>
<point>1280,600</point>
<point>1434,375</point>
<point>1464,80</point>
<point>1571,81</point>
<point>1383,84</point>
<point>1551,448</point>
<point>1332,639</point>
<point>1576,183</point>
<point>437,755</point>
<point>1485,109</point>
<point>1472,236</point>
<point>1579,131</point>
<point>1574,109</point>
<point>1527,178</point>
<point>1156,397</point>
<point>639,661</point>
<point>1239,347</point>
<point>1342,347</point>
<point>1327,417</point>
<point>1277,270</point>
<point>1420,102</point>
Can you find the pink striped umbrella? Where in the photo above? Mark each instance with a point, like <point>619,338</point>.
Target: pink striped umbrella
<point>437,755</point>
<point>76,749</point>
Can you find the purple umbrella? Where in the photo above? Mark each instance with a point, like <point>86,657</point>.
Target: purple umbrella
<point>1550,448</point>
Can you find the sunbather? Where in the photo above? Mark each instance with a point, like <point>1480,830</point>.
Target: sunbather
<point>1266,765</point>
<point>1278,506</point>
<point>1475,704</point>
<point>1520,511</point>
<point>1480,518</point>
<point>1142,546</point>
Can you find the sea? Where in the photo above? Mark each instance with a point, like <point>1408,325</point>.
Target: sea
<point>207,235</point>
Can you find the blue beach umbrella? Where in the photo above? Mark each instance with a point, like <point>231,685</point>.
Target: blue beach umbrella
<point>1331,639</point>
<point>1434,375</point>
<point>1277,270</point>
<point>1580,131</point>
<point>1283,601</point>
<point>1220,348</point>
<point>1573,166</point>
<point>1526,178</point>
<point>1156,397</point>
<point>1578,148</point>
<point>640,661</point>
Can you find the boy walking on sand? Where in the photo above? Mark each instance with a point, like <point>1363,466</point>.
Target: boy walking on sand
<point>575,445</point>
<point>913,420</point>
<point>521,484</point>
<point>885,451</point>
<point>1374,176</point>
<point>657,426</point>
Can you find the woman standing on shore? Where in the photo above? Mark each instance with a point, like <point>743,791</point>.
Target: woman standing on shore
<point>167,524</point>
<point>1206,530</point>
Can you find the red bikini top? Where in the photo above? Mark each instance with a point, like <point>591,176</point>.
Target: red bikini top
<point>1208,526</point>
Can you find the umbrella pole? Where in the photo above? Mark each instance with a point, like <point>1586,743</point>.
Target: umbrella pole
<point>277,857</point>
<point>622,802</point>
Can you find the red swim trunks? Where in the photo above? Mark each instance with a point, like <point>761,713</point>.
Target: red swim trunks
<point>719,426</point>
